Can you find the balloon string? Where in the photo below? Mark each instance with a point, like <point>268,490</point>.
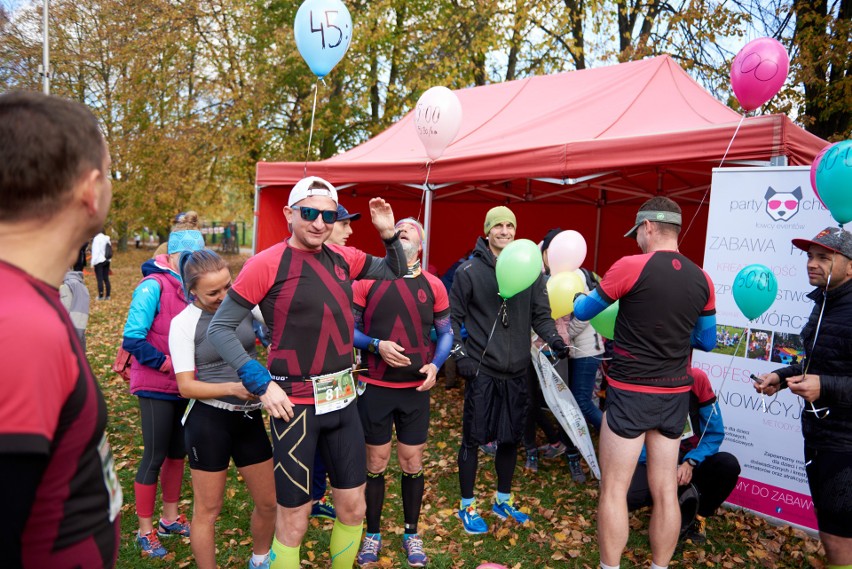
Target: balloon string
<point>425,189</point>
<point>707,191</point>
<point>490,335</point>
<point>311,134</point>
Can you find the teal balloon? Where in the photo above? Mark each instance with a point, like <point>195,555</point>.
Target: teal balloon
<point>604,322</point>
<point>518,266</point>
<point>834,180</point>
<point>754,289</point>
<point>323,30</point>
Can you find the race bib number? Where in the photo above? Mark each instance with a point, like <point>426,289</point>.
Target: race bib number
<point>688,431</point>
<point>110,478</point>
<point>333,392</point>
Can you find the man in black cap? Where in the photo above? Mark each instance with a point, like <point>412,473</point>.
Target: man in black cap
<point>667,306</point>
<point>823,379</point>
<point>342,229</point>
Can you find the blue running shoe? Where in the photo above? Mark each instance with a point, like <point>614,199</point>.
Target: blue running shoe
<point>490,449</point>
<point>471,520</point>
<point>178,527</point>
<point>323,509</point>
<point>413,547</point>
<point>370,548</point>
<point>507,510</point>
<point>150,545</point>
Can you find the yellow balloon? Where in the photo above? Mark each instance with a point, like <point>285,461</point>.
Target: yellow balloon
<point>561,289</point>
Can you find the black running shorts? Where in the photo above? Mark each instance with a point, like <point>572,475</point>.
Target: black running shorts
<point>213,436</point>
<point>338,436</point>
<point>631,413</point>
<point>830,480</point>
<point>382,408</point>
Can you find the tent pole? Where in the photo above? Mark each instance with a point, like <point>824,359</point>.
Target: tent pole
<point>427,226</point>
<point>597,230</point>
<point>256,219</point>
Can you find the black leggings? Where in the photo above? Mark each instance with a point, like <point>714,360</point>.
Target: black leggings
<point>102,274</point>
<point>162,435</point>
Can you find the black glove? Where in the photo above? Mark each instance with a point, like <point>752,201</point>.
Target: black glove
<point>560,348</point>
<point>466,367</point>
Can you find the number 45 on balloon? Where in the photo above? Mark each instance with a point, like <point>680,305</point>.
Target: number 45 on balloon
<point>323,30</point>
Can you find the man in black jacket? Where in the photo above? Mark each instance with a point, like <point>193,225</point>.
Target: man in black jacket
<point>824,380</point>
<point>494,360</point>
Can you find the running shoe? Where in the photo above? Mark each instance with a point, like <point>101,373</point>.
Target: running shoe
<point>532,460</point>
<point>150,545</point>
<point>575,468</point>
<point>506,510</point>
<point>490,449</point>
<point>267,563</point>
<point>413,546</point>
<point>178,527</point>
<point>696,531</point>
<point>370,548</point>
<point>552,451</point>
<point>323,509</point>
<point>471,520</point>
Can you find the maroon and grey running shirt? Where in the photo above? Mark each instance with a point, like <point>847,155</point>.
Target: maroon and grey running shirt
<point>51,406</point>
<point>403,311</point>
<point>661,296</point>
<point>306,300</point>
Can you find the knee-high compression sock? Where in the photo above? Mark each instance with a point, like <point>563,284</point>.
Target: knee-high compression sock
<point>412,498</point>
<point>374,494</point>
<point>146,495</point>
<point>504,464</point>
<point>171,479</point>
<point>344,545</point>
<point>282,556</point>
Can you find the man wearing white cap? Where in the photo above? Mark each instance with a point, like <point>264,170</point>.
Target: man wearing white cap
<point>667,306</point>
<point>393,321</point>
<point>823,379</point>
<point>304,290</point>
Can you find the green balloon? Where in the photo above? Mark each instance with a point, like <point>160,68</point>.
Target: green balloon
<point>754,290</point>
<point>518,266</point>
<point>604,322</point>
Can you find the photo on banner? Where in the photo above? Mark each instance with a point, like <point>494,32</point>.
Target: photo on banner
<point>754,214</point>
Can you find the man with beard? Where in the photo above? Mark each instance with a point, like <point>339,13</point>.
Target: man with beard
<point>393,320</point>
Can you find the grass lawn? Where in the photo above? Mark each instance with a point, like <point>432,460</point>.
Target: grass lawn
<point>561,534</point>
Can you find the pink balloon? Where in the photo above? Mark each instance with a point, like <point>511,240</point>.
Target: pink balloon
<point>437,119</point>
<point>567,252</point>
<point>491,566</point>
<point>814,167</point>
<point>758,72</point>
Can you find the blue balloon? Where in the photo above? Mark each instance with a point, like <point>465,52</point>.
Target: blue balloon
<point>834,181</point>
<point>323,30</point>
<point>754,290</point>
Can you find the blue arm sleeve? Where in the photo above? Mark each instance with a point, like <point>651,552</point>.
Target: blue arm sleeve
<point>588,306</point>
<point>361,340</point>
<point>704,333</point>
<point>444,328</point>
<point>255,377</point>
<point>714,433</point>
<point>144,307</point>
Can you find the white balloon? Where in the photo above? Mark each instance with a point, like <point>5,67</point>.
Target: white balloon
<point>437,119</point>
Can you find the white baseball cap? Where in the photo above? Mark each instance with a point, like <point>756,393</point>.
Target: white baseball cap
<point>311,186</point>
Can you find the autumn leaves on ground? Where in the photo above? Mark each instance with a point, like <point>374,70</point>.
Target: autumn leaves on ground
<point>561,533</point>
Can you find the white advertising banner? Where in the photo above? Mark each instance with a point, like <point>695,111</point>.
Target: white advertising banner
<point>754,214</point>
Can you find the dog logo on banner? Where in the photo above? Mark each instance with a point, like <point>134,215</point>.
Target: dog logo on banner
<point>782,206</point>
<point>565,408</point>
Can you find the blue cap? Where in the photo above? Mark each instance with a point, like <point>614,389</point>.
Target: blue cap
<point>343,214</point>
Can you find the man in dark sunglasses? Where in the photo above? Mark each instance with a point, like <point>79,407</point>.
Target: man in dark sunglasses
<point>824,380</point>
<point>304,290</point>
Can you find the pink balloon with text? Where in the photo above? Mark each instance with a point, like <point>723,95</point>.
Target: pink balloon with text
<point>758,72</point>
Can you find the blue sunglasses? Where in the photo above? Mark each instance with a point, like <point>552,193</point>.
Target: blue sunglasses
<point>312,213</point>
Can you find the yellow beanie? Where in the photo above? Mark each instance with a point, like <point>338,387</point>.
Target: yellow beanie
<point>498,215</point>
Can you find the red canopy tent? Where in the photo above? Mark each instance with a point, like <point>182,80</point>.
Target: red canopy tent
<point>578,150</point>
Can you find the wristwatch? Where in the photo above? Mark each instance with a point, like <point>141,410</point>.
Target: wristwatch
<point>373,347</point>
<point>691,462</point>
